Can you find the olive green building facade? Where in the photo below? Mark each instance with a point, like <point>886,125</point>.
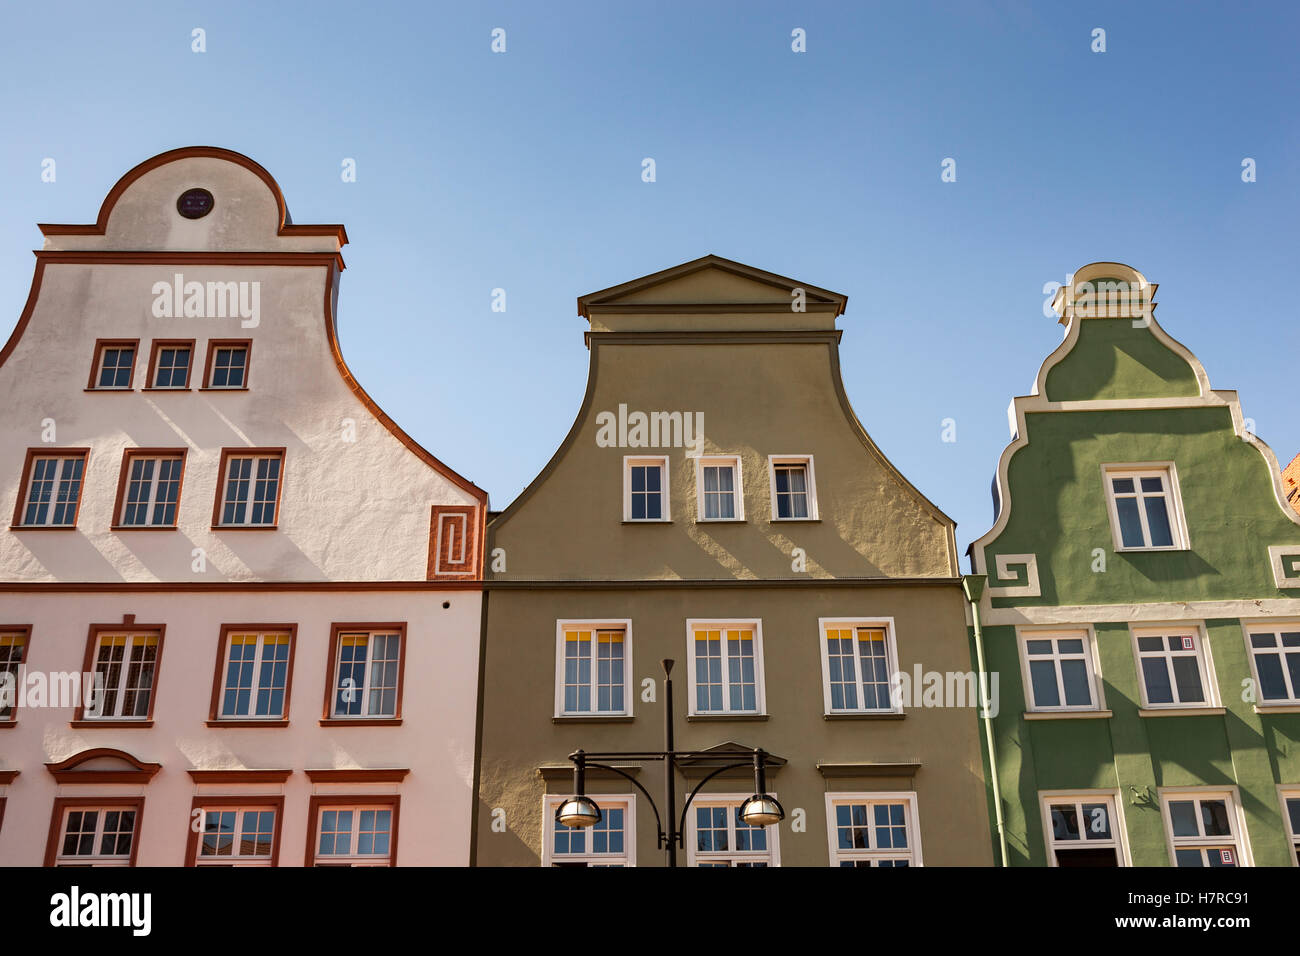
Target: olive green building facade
<point>1142,607</point>
<point>718,503</point>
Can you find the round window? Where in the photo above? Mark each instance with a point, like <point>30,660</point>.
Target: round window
<point>194,203</point>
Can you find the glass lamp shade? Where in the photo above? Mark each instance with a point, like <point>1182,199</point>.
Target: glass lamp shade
<point>577,812</point>
<point>762,810</point>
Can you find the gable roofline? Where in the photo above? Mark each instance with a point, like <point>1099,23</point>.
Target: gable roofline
<point>1037,401</point>
<point>818,299</point>
<point>285,227</point>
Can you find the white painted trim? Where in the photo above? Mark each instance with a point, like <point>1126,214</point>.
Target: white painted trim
<point>1238,818</point>
<point>733,800</point>
<point>666,498</point>
<point>1204,664</point>
<point>907,797</point>
<point>760,690</point>
<point>627,800</point>
<point>1118,827</point>
<point>738,494</point>
<point>1277,554</point>
<point>772,462</point>
<point>593,624</point>
<point>1156,612</point>
<point>1285,791</point>
<point>891,661</point>
<point>1092,661</point>
<point>1003,563</point>
<point>1173,498</point>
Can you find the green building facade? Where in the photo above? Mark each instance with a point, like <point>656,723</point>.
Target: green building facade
<point>1142,608</point>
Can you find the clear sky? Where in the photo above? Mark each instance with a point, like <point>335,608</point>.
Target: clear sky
<point>522,170</point>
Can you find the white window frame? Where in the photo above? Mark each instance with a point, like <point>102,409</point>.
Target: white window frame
<point>60,479</point>
<point>826,624</point>
<point>737,494</point>
<point>871,798</point>
<point>1091,661</point>
<point>256,687</point>
<point>1205,663</point>
<point>120,689</point>
<point>97,859</point>
<point>150,503</point>
<point>732,801</point>
<point>366,686</point>
<point>593,625</point>
<point>622,801</point>
<point>807,462</point>
<point>1272,627</point>
<point>236,858</point>
<point>1118,833</point>
<point>1173,503</point>
<point>248,499</point>
<point>1236,819</point>
<point>1285,793</point>
<point>353,858</point>
<point>664,497</point>
<point>722,624</point>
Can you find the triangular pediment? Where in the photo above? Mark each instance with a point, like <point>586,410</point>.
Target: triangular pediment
<point>710,284</point>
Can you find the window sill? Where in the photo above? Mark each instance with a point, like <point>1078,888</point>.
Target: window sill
<point>707,717</point>
<point>592,719</point>
<point>361,721</point>
<point>1182,711</point>
<point>42,527</point>
<point>1151,550</point>
<point>647,521</point>
<point>6,724</point>
<point>721,521</point>
<point>1068,714</point>
<point>794,520</point>
<point>245,527</point>
<point>218,388</point>
<point>247,723</point>
<point>116,722</point>
<point>864,715</point>
<point>163,388</point>
<point>125,391</point>
<point>1277,709</point>
<point>143,527</point>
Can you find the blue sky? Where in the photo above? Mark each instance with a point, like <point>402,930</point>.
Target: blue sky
<point>522,171</point>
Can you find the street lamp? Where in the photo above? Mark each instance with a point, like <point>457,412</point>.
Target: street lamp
<point>580,811</point>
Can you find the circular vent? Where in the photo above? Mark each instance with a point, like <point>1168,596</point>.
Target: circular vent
<point>194,203</point>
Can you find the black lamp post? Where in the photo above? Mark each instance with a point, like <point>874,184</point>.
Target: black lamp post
<point>760,810</point>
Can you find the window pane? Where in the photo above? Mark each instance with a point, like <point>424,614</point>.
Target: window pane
<point>1097,819</point>
<point>1158,522</point>
<point>1043,677</point>
<point>1214,815</point>
<point>1155,674</point>
<point>1065,822</point>
<point>1130,525</point>
<point>1188,676</point>
<point>1075,677</point>
<point>1182,816</point>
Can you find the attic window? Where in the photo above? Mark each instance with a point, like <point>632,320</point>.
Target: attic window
<point>195,203</point>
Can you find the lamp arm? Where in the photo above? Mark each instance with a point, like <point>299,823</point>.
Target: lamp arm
<point>636,783</point>
<point>681,827</point>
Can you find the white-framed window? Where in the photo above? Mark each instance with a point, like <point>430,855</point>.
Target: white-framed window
<point>367,673</point>
<point>1082,829</point>
<point>53,491</point>
<point>859,657</point>
<point>125,665</point>
<point>593,668</point>
<point>873,829</point>
<point>358,834</point>
<point>151,490</point>
<point>716,836</point>
<point>726,666</point>
<point>236,835</point>
<point>719,492</point>
<point>1059,669</point>
<point>1275,658</point>
<point>96,835</point>
<point>1145,505</point>
<point>1204,827</point>
<point>793,487</point>
<point>611,842</point>
<point>1173,663</point>
<point>1291,820</point>
<point>255,675</point>
<point>250,491</point>
<point>645,488</point>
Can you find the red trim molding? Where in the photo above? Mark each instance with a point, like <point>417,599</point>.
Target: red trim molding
<point>65,771</point>
<point>239,776</point>
<point>382,775</point>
